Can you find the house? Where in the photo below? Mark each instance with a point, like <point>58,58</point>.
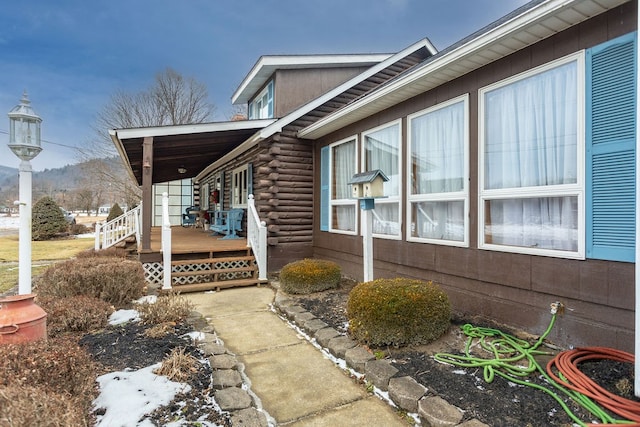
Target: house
<point>512,171</point>
<point>510,159</point>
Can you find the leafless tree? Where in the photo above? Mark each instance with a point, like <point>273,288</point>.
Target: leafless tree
<point>172,100</point>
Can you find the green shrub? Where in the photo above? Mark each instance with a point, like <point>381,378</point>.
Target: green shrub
<point>167,308</point>
<point>74,314</point>
<point>112,279</point>
<point>47,220</point>
<point>57,365</point>
<point>397,312</point>
<point>309,275</point>
<point>114,212</point>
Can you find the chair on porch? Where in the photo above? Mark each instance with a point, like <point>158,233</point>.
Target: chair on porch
<point>227,223</point>
<point>190,216</point>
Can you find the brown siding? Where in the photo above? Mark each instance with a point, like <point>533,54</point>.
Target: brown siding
<point>294,88</point>
<point>513,289</point>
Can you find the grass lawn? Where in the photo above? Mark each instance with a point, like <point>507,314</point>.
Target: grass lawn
<point>42,254</point>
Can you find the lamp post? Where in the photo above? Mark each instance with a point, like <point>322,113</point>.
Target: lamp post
<point>24,141</point>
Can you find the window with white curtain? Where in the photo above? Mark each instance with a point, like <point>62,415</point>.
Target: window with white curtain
<point>381,150</point>
<point>438,190</point>
<point>531,161</point>
<point>239,187</point>
<point>344,163</point>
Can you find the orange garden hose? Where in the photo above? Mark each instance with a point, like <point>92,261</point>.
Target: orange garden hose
<point>566,364</point>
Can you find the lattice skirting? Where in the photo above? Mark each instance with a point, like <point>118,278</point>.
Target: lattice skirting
<point>154,272</point>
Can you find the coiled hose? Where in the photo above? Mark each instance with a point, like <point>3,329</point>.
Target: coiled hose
<point>510,354</point>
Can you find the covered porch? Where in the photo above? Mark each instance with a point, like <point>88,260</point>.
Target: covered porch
<point>200,261</point>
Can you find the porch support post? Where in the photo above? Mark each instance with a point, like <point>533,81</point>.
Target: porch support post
<point>366,207</point>
<point>147,196</point>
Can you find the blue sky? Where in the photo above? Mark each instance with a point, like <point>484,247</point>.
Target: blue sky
<point>71,55</point>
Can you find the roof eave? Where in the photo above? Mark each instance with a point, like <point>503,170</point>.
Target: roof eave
<point>416,81</point>
<point>268,64</point>
<point>315,103</point>
<point>122,153</point>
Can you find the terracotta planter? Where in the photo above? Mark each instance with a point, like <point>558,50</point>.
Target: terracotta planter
<point>21,320</point>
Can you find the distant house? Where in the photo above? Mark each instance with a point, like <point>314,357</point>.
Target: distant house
<point>510,159</point>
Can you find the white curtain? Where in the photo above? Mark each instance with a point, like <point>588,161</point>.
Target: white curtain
<point>437,167</point>
<point>382,151</point>
<point>531,141</point>
<point>344,166</point>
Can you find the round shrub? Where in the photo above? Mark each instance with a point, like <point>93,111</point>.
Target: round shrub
<point>397,312</point>
<point>112,279</point>
<point>114,212</point>
<point>309,275</point>
<point>47,220</point>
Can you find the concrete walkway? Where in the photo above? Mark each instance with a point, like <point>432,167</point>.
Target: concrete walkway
<point>296,384</point>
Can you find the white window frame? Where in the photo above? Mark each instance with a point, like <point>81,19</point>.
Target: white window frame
<point>387,199</point>
<point>240,186</point>
<point>462,195</point>
<point>577,190</point>
<point>261,103</point>
<point>342,202</point>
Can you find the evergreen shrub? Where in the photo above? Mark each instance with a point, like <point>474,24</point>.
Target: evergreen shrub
<point>397,312</point>
<point>114,212</point>
<point>309,275</point>
<point>47,220</point>
<point>112,279</point>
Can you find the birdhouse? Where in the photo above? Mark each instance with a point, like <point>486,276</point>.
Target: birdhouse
<point>368,184</point>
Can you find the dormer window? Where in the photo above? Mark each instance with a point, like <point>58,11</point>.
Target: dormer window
<point>262,105</point>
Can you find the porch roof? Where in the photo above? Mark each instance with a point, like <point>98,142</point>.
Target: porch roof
<point>190,148</point>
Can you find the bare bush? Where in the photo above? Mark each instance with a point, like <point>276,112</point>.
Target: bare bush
<point>178,366</point>
<point>26,406</point>
<point>167,308</point>
<point>74,314</point>
<point>111,279</point>
<point>58,365</point>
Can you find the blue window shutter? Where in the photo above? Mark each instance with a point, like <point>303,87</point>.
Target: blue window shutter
<point>324,188</point>
<point>610,149</point>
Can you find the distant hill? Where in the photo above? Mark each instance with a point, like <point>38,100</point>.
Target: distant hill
<point>66,179</point>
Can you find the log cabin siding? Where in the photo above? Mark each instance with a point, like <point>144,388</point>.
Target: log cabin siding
<point>509,288</point>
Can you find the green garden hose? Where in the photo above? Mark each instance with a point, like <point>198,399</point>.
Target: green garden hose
<point>510,355</point>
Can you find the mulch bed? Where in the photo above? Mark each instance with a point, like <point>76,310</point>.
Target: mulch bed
<point>126,347</point>
<point>499,403</point>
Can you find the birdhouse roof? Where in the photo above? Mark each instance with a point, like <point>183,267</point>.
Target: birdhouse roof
<point>369,176</point>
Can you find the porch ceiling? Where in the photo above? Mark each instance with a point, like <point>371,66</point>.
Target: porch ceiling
<point>192,147</point>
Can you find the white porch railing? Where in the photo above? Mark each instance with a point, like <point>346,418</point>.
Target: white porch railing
<point>166,243</point>
<point>257,237</point>
<point>118,229</point>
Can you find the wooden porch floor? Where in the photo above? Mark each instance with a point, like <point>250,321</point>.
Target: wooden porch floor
<point>186,240</point>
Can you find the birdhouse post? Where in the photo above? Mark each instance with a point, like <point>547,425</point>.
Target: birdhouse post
<point>366,187</point>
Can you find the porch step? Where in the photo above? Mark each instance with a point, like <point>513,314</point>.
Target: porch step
<point>200,274</point>
<point>210,286</point>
